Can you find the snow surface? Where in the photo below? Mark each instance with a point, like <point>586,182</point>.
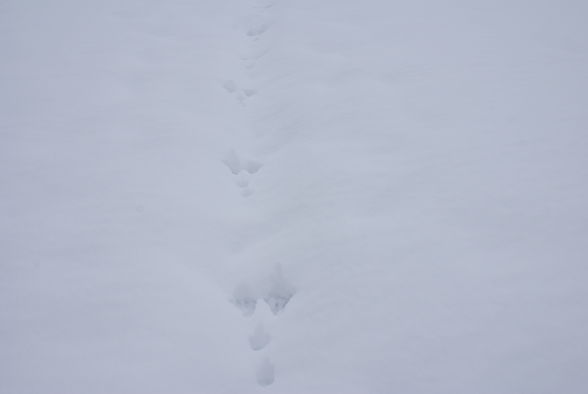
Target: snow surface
<point>298,197</point>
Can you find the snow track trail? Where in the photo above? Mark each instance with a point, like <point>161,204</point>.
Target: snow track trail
<point>293,197</point>
<point>268,281</point>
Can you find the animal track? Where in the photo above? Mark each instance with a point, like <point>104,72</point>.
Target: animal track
<point>265,4</point>
<point>242,168</point>
<point>242,181</point>
<point>277,302</point>
<point>230,86</point>
<point>275,289</point>
<point>265,373</point>
<point>258,30</point>
<point>249,92</point>
<point>259,339</point>
<point>242,94</point>
<point>279,292</point>
<point>237,164</point>
<point>252,166</point>
<point>244,299</point>
<point>246,192</point>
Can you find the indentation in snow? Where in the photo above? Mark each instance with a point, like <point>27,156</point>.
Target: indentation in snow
<point>258,30</point>
<point>279,292</point>
<point>242,181</point>
<point>247,192</point>
<point>245,299</point>
<point>236,164</point>
<point>230,86</point>
<point>260,338</point>
<point>249,92</point>
<point>252,166</point>
<point>265,373</point>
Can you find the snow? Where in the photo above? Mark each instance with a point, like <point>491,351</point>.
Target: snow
<point>280,196</point>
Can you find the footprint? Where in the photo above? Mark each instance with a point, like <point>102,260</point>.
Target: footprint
<point>255,55</point>
<point>277,302</point>
<point>249,92</point>
<point>265,373</point>
<point>266,4</point>
<point>233,162</point>
<point>242,181</point>
<point>258,30</point>
<point>252,166</point>
<point>237,164</point>
<point>230,86</point>
<point>245,299</point>
<point>259,339</point>
<point>279,291</point>
<point>247,192</point>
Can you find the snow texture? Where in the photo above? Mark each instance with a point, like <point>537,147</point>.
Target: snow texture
<point>296,197</point>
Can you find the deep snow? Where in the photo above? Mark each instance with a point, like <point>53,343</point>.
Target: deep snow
<point>224,196</point>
